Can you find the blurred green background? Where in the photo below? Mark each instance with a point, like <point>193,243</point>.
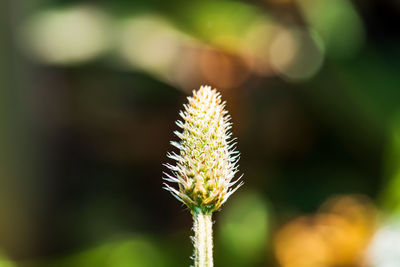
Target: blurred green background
<point>90,90</point>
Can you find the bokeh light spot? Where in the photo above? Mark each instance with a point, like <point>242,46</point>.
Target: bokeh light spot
<point>221,23</point>
<point>384,250</point>
<point>150,43</point>
<point>338,23</point>
<point>66,36</point>
<point>137,252</point>
<point>245,224</point>
<point>4,262</point>
<point>257,44</point>
<point>296,54</point>
<point>336,236</point>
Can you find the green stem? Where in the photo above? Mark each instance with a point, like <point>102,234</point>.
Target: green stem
<point>203,240</point>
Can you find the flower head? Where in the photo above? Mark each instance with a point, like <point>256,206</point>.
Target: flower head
<point>207,161</point>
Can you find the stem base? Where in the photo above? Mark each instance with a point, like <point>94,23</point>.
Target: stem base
<point>203,240</point>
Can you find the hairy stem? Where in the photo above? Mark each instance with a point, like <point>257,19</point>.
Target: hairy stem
<point>203,241</point>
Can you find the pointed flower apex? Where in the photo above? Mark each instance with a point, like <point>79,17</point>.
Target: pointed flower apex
<point>206,164</point>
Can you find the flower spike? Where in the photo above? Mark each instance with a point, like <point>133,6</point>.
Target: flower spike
<point>207,161</point>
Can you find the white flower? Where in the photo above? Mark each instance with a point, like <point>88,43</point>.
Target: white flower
<point>207,159</point>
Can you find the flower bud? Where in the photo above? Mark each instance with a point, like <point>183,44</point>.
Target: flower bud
<point>207,161</point>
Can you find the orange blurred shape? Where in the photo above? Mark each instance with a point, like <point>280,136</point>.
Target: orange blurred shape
<point>351,239</point>
<point>337,236</point>
<point>223,70</point>
<point>298,244</point>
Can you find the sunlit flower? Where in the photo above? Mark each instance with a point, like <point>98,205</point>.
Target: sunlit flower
<point>207,159</point>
